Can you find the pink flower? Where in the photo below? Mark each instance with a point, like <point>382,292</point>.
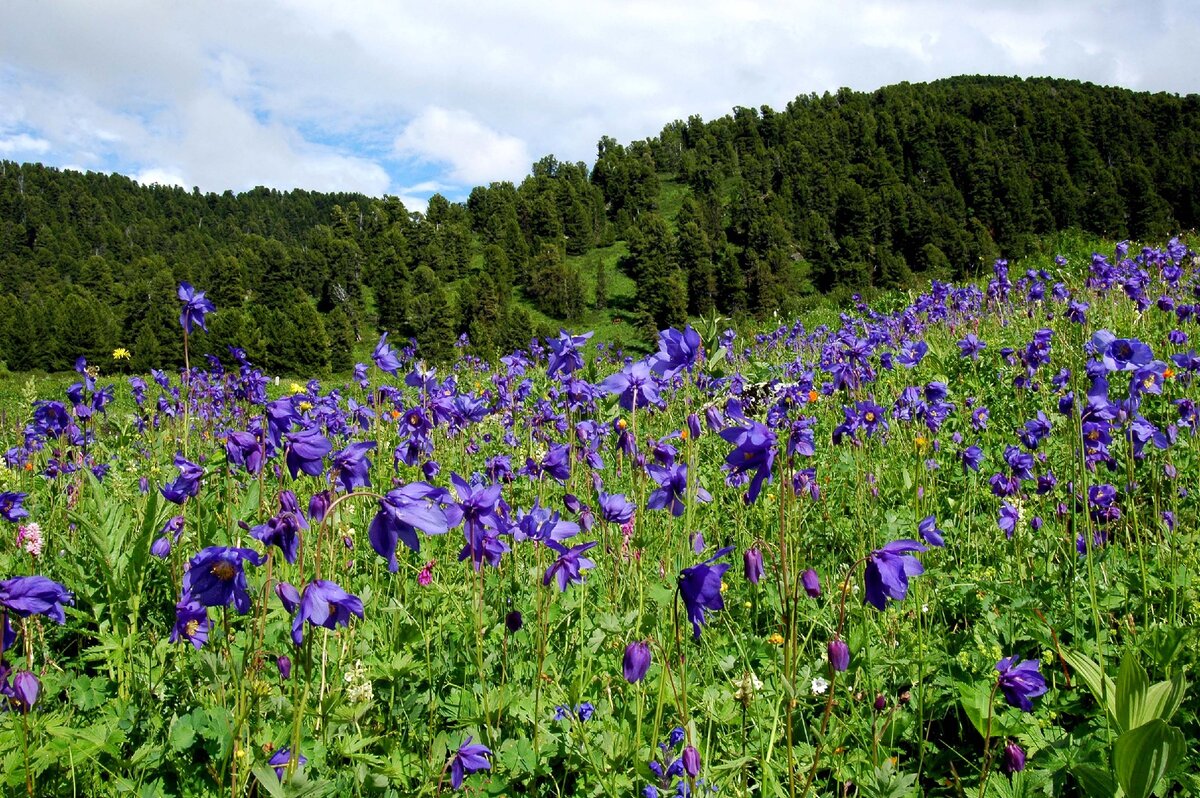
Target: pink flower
<point>426,575</point>
<point>29,537</point>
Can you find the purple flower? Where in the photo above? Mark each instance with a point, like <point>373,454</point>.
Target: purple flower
<point>25,689</point>
<point>565,355</point>
<point>468,759</point>
<point>284,663</point>
<point>636,662</point>
<point>1014,759</point>
<point>752,565</point>
<point>195,307</point>
<point>888,569</point>
<point>1021,682</point>
<point>672,481</point>
<point>1009,516</point>
<point>1125,354</point>
<point>677,351</point>
<point>971,346</point>
<point>839,654</point>
<point>244,449</point>
<point>324,603</point>
<point>567,569</point>
<point>216,576</point>
<point>405,510</point>
<point>281,758</point>
<point>10,507</point>
<point>186,484</point>
<point>306,452</point>
<point>352,466</point>
<point>811,582</point>
<point>691,761</point>
<point>700,589</point>
<point>34,595</point>
<point>615,508</point>
<point>930,533</point>
<point>634,385</point>
<point>754,450</point>
<point>385,357</point>
<point>191,623</point>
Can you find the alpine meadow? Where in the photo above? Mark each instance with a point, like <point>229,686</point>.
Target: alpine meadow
<point>844,450</point>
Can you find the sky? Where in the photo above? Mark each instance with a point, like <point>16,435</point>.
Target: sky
<point>412,98</point>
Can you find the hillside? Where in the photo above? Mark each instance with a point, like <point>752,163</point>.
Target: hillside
<point>757,211</point>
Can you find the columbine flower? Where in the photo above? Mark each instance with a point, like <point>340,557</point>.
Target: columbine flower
<point>405,510</point>
<point>10,507</point>
<point>567,568</point>
<point>195,307</point>
<point>281,758</point>
<point>468,759</point>
<point>930,533</point>
<point>324,603</point>
<point>186,484</point>
<point>752,565</point>
<point>811,582</point>
<point>216,576</point>
<point>1021,682</point>
<point>34,595</point>
<point>615,508</point>
<point>1014,759</point>
<point>839,654</point>
<point>191,623</point>
<point>700,588</point>
<point>25,689</point>
<point>636,662</point>
<point>385,357</point>
<point>754,450</point>
<point>352,465</point>
<point>634,385</point>
<point>306,452</point>
<point>888,569</point>
<point>672,481</point>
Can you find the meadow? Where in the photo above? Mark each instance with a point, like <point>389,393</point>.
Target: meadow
<point>945,546</point>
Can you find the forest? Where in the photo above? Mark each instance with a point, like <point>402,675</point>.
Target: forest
<point>758,211</point>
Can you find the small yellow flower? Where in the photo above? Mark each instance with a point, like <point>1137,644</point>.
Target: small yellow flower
<point>305,407</point>
<point>296,388</point>
<point>621,423</point>
<point>121,353</point>
<point>723,585</point>
<point>683,433</point>
<point>775,639</point>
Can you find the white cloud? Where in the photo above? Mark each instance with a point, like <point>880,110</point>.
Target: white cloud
<point>23,144</point>
<point>160,177</point>
<point>377,95</point>
<point>474,153</point>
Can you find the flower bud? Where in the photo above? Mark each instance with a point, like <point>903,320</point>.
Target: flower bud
<point>1014,759</point>
<point>839,654</point>
<point>880,702</point>
<point>284,663</point>
<point>811,582</point>
<point>318,505</point>
<point>691,761</point>
<point>513,621</point>
<point>693,425</point>
<point>25,689</point>
<point>753,562</point>
<point>636,662</point>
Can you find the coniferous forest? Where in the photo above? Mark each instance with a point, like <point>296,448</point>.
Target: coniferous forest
<point>758,211</point>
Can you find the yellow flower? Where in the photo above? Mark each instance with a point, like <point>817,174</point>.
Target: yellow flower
<point>121,353</point>
<point>297,388</point>
<point>775,639</point>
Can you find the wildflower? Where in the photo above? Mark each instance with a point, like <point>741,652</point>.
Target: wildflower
<point>775,639</point>
<point>425,578</point>
<point>754,450</point>
<point>352,466</point>
<point>513,621</point>
<point>34,595</point>
<point>281,758</point>
<point>29,537</point>
<point>191,623</point>
<point>585,711</point>
<point>567,568</point>
<point>1010,516</point>
<point>971,346</point>
<point>700,589</point>
<point>385,357</point>
<point>672,481</point>
<point>10,507</point>
<point>691,761</point>
<point>930,533</point>
<point>324,603</point>
<point>216,576</point>
<point>25,689</point>
<point>888,569</point>
<point>468,759</point>
<point>634,385</point>
<point>405,510</point>
<point>186,484</point>
<point>615,508</point>
<point>565,355</point>
<point>747,686</point>
<point>839,654</point>
<point>121,353</point>
<point>284,663</point>
<point>1021,682</point>
<point>195,307</point>
<point>1014,759</point>
<point>820,686</point>
<point>306,452</point>
<point>811,582</point>
<point>752,565</point>
<point>677,351</point>
<point>636,662</point>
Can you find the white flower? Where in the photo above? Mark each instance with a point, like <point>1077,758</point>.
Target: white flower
<point>819,686</point>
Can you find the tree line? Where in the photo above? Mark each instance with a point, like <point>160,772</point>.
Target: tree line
<point>754,212</point>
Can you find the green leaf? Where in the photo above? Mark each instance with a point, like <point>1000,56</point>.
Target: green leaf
<point>1102,686</point>
<point>1095,782</point>
<point>1132,683</point>
<point>182,734</point>
<point>1164,698</point>
<point>1143,755</point>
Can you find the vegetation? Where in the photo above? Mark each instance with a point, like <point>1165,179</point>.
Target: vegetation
<point>756,212</point>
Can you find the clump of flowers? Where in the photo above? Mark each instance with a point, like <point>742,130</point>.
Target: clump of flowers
<point>29,538</point>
